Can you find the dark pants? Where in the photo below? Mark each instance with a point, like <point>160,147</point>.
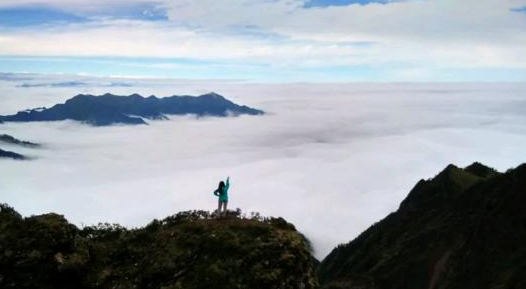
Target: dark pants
<point>221,204</point>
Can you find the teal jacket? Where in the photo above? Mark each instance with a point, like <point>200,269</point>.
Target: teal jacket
<point>223,196</point>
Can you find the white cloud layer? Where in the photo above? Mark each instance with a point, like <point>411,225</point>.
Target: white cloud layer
<point>331,158</point>
<point>419,35</point>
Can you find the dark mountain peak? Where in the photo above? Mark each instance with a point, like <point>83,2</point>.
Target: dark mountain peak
<point>136,96</point>
<point>441,189</point>
<point>449,168</point>
<point>448,174</point>
<point>521,169</point>
<point>110,109</point>
<point>215,98</point>
<point>213,95</point>
<point>460,221</point>
<point>480,170</point>
<point>455,176</point>
<point>79,97</point>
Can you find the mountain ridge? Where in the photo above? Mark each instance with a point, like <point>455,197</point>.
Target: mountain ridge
<point>14,141</point>
<point>10,140</point>
<point>464,228</point>
<point>109,109</point>
<point>11,155</point>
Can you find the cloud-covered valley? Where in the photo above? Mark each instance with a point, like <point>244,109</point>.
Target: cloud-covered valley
<point>331,158</point>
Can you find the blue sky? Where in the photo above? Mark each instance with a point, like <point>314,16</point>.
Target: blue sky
<point>519,9</point>
<point>297,40</point>
<point>28,16</point>
<point>34,15</point>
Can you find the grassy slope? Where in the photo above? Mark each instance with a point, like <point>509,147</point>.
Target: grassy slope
<point>465,228</point>
<point>187,250</point>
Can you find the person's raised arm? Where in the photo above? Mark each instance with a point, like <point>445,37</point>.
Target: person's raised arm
<point>227,182</point>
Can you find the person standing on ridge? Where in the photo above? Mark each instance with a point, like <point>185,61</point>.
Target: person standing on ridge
<point>222,193</point>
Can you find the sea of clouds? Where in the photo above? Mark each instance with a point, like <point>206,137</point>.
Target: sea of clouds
<point>330,158</point>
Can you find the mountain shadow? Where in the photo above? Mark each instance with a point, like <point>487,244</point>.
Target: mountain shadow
<point>186,250</point>
<point>111,109</point>
<point>465,228</point>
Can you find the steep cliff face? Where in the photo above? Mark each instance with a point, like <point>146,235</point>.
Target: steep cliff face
<point>465,228</point>
<point>187,250</point>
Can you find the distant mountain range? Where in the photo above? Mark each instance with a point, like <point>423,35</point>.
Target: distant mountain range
<point>7,139</point>
<point>465,228</point>
<point>12,140</point>
<point>11,155</point>
<point>111,109</point>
